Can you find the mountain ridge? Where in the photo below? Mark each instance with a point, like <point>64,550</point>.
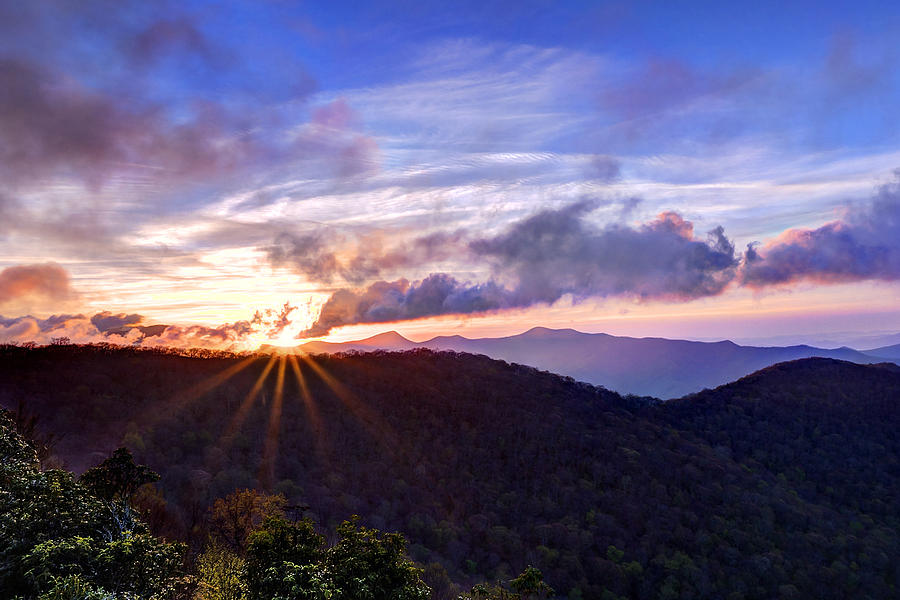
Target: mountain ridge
<point>783,483</point>
<point>646,366</point>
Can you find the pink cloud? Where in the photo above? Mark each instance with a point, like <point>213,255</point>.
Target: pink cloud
<point>44,281</point>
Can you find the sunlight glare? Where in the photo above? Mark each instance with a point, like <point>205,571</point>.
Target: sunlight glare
<point>244,408</point>
<point>270,447</point>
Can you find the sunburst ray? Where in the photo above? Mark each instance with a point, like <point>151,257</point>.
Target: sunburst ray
<point>195,392</point>
<point>374,423</point>
<point>238,419</point>
<point>270,446</point>
<point>312,410</point>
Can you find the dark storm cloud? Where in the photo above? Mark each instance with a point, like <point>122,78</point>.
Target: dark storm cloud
<point>46,281</point>
<point>863,245</point>
<point>547,256</point>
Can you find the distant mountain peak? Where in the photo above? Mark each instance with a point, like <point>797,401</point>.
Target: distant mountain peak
<point>546,331</point>
<point>385,338</point>
<point>657,367</point>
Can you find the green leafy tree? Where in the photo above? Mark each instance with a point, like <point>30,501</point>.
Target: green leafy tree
<point>283,561</point>
<point>485,591</point>
<point>366,564</point>
<point>74,587</point>
<point>57,537</point>
<point>235,517</point>
<point>528,585</point>
<point>220,575</point>
<point>117,478</point>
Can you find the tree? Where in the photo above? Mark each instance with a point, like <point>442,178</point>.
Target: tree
<point>220,575</point>
<point>27,426</point>
<point>529,584</point>
<point>57,537</point>
<point>284,561</point>
<point>368,565</point>
<point>235,517</point>
<point>117,478</point>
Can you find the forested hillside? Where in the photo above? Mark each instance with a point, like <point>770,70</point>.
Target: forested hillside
<point>63,538</point>
<point>783,484</point>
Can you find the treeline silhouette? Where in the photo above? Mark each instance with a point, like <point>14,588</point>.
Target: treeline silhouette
<point>783,484</point>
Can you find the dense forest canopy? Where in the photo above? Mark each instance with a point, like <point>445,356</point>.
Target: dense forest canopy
<point>783,484</point>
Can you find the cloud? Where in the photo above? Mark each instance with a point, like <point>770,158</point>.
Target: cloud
<point>177,37</point>
<point>46,282</point>
<point>107,321</point>
<point>545,257</point>
<point>124,329</point>
<point>77,328</point>
<point>51,125</point>
<point>661,87</point>
<point>333,139</point>
<point>224,337</point>
<point>385,301</point>
<point>663,84</point>
<point>324,255</point>
<point>103,89</point>
<point>604,168</point>
<point>863,245</point>
<point>310,254</point>
<point>134,329</point>
<point>558,252</point>
<point>849,71</point>
<point>274,321</point>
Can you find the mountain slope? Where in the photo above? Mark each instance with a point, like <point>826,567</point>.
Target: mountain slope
<point>389,340</point>
<point>644,366</point>
<point>885,352</point>
<point>488,467</point>
<point>827,427</point>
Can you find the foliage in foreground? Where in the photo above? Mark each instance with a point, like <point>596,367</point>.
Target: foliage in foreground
<point>68,539</point>
<point>58,539</point>
<point>289,560</point>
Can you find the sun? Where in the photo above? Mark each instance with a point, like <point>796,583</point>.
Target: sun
<point>280,328</point>
<point>288,336</point>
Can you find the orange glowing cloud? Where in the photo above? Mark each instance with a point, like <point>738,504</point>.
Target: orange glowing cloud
<point>45,281</point>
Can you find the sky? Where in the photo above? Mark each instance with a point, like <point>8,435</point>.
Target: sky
<point>244,173</point>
